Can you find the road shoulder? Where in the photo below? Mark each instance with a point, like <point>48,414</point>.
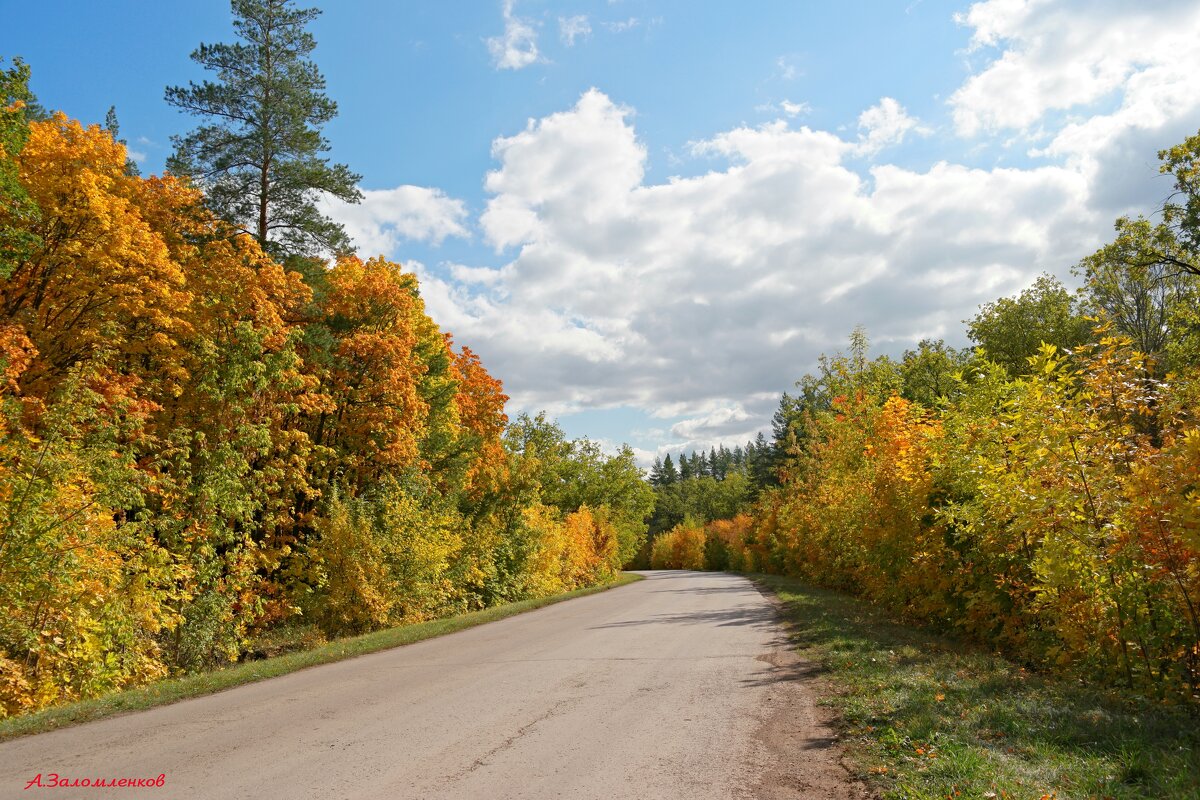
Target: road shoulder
<point>797,735</point>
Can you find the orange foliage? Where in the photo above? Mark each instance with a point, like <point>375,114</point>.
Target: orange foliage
<point>480,400</point>
<point>103,279</point>
<point>376,410</point>
<point>197,443</point>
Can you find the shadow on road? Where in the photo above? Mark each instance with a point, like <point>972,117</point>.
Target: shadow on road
<point>704,590</point>
<point>749,615</point>
<point>784,669</point>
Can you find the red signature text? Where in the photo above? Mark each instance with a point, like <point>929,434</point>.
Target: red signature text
<point>56,781</point>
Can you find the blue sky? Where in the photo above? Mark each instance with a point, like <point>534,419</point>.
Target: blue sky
<point>651,216</point>
<point>420,102</point>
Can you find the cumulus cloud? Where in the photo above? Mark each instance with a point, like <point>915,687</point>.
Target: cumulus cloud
<point>720,423</point>
<point>572,28</point>
<point>1099,84</point>
<point>561,171</point>
<point>476,275</point>
<point>885,124</point>
<point>385,217</point>
<point>1058,56</point>
<point>704,297</point>
<point>517,47</point>
<point>698,299</point>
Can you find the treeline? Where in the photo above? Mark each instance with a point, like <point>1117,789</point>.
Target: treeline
<point>703,487</point>
<point>718,463</point>
<point>1040,493</point>
<point>698,487</point>
<point>202,442</point>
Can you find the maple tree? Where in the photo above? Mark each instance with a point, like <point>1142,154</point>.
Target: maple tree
<point>1052,514</point>
<point>198,448</point>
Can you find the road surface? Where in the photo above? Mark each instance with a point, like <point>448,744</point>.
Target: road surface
<point>678,686</point>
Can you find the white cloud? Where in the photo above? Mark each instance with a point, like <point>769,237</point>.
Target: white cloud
<point>717,424</point>
<point>699,299</point>
<point>137,156</point>
<point>385,217</point>
<point>785,107</point>
<point>785,69</point>
<point>794,109</point>
<point>485,276</point>
<point>885,124</point>
<point>572,28</point>
<point>703,297</point>
<point>517,47</point>
<point>576,164</point>
<point>622,25</point>
<point>1058,56</point>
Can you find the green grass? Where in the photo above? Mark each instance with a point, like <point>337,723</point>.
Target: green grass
<point>924,716</point>
<point>171,691</point>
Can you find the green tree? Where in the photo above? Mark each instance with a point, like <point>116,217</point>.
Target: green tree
<point>787,430</point>
<point>1131,282</point>
<point>761,462</point>
<point>656,478</point>
<point>664,472</point>
<point>669,473</point>
<point>1147,280</point>
<point>686,467</point>
<point>260,160</point>
<point>16,209</point>
<point>928,372</point>
<point>113,126</point>
<point>575,473</point>
<point>1181,212</point>
<point>1012,329</point>
<point>843,375</point>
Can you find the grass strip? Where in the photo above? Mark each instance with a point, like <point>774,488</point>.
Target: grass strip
<point>176,689</point>
<point>924,716</point>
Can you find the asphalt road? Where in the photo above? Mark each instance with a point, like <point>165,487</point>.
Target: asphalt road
<point>678,686</point>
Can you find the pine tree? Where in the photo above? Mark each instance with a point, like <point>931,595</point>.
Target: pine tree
<point>656,472</point>
<point>114,127</point>
<point>787,429</point>
<point>260,160</point>
<point>685,467</point>
<point>761,464</point>
<point>669,473</point>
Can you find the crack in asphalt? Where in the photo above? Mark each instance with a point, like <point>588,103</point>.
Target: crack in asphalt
<point>482,761</point>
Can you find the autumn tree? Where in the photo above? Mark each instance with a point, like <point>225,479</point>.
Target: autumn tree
<point>260,161</point>
<point>573,474</point>
<point>198,449</point>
